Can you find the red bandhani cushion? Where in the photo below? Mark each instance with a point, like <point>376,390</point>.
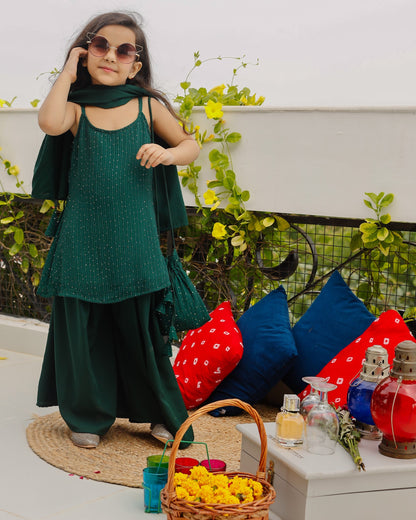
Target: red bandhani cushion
<point>388,330</point>
<point>207,355</point>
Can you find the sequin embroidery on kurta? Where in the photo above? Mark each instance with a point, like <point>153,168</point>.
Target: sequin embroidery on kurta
<point>106,248</point>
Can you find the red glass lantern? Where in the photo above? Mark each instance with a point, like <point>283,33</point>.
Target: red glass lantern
<point>393,405</point>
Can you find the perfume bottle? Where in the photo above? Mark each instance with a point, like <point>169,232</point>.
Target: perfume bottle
<point>290,424</point>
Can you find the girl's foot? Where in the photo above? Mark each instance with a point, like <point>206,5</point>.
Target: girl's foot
<point>161,433</point>
<point>85,440</point>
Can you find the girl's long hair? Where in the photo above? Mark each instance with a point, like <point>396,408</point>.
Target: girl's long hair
<point>132,21</point>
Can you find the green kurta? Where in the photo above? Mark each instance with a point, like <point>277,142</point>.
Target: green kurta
<point>106,248</point>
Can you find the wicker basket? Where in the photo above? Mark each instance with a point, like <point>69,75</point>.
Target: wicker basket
<point>177,508</point>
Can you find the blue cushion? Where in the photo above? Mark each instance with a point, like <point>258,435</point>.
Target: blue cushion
<point>335,318</point>
<point>269,349</point>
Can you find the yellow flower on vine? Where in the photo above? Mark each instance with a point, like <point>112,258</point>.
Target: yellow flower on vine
<point>210,197</point>
<point>219,89</point>
<point>14,170</point>
<point>213,110</point>
<point>219,231</point>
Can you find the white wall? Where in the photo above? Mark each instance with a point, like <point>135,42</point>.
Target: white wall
<point>311,52</point>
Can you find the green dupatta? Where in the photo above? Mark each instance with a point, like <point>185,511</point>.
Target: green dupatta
<point>50,179</point>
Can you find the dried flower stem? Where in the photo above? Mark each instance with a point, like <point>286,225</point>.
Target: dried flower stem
<point>349,437</point>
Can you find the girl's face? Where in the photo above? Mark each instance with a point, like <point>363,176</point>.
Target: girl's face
<point>108,69</point>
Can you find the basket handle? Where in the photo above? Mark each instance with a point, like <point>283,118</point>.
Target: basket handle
<point>208,408</point>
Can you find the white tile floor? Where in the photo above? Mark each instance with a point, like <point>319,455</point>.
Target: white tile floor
<point>31,489</point>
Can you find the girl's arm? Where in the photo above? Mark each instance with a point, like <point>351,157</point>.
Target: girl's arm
<point>56,114</point>
<point>183,147</point>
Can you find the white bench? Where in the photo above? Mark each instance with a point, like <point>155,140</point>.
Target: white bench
<point>329,487</point>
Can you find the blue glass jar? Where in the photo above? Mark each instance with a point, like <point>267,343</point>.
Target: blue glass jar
<point>375,368</point>
<point>359,400</point>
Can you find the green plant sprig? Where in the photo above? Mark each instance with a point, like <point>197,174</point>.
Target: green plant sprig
<point>384,251</point>
<point>17,240</point>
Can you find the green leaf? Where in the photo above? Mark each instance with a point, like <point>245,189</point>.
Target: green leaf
<point>382,234</point>
<point>234,137</point>
<point>38,262</point>
<point>369,205</point>
<point>185,85</point>
<point>384,250</point>
<point>364,291</point>
<point>33,251</point>
<point>373,197</point>
<point>282,224</point>
<point>35,279</point>
<point>25,265</point>
<point>268,221</point>
<point>356,242</point>
<point>245,196</point>
<point>15,249</point>
<point>228,183</point>
<point>385,219</point>
<point>19,236</point>
<point>214,184</point>
<point>218,126</point>
<point>387,200</point>
<point>237,241</point>
<point>9,230</point>
<point>6,220</point>
<point>368,228</point>
<point>389,239</point>
<point>35,102</point>
<point>46,206</point>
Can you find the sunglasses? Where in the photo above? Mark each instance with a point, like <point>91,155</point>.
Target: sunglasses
<point>98,46</point>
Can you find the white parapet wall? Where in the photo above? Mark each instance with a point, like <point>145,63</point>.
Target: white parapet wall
<point>23,335</point>
<point>308,161</point>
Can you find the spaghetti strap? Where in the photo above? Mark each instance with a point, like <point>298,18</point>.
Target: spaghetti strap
<point>83,110</point>
<point>140,104</point>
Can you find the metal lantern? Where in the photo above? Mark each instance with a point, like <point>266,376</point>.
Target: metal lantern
<point>375,368</point>
<point>393,405</point>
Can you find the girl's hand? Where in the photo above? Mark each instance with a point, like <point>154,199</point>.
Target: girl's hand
<point>71,65</point>
<point>151,155</point>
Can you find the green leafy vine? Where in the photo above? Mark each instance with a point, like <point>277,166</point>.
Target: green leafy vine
<point>384,251</point>
<point>236,222</point>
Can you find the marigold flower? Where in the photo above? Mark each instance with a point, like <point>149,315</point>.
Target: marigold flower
<point>219,230</point>
<point>191,486</point>
<point>206,494</point>
<point>182,493</point>
<point>213,110</point>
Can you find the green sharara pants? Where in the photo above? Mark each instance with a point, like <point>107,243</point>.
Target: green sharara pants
<point>104,361</point>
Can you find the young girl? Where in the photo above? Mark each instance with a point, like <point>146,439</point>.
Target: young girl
<point>105,355</point>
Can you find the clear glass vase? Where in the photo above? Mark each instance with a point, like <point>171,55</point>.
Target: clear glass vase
<point>313,397</point>
<point>322,425</point>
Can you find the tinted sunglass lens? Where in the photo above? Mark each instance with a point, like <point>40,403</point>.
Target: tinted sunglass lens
<point>99,46</point>
<point>126,53</point>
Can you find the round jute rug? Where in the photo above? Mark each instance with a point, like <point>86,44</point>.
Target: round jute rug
<point>122,452</point>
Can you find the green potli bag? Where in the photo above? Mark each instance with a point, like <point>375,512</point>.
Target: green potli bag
<point>182,307</point>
